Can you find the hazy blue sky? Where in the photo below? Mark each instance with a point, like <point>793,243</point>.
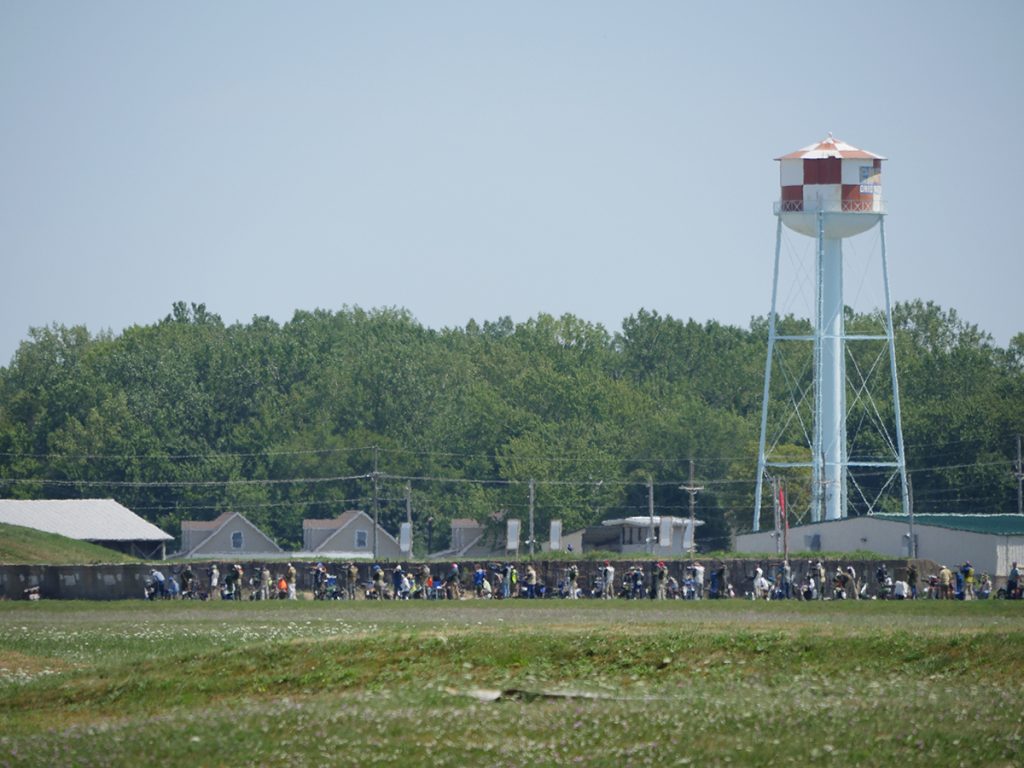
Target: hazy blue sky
<point>473,160</point>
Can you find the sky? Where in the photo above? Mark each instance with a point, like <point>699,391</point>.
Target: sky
<point>478,160</point>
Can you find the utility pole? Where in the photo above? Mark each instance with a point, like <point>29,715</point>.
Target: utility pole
<point>376,499</point>
<point>784,510</point>
<point>650,512</point>
<point>1020,481</point>
<point>775,513</point>
<point>693,490</point>
<point>912,549</point>
<point>408,512</point>
<point>532,495</point>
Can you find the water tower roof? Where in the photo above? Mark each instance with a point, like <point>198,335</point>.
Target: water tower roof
<point>831,147</point>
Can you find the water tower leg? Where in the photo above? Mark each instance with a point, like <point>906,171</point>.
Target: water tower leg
<point>767,380</point>
<point>901,456</point>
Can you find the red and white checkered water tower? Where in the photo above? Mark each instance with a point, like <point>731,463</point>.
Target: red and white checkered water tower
<point>830,191</point>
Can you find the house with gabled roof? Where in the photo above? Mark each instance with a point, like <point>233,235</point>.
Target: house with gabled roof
<point>471,540</point>
<point>230,535</point>
<point>349,536</point>
<point>98,521</point>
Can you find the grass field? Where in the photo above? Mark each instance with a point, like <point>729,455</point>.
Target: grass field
<point>515,683</point>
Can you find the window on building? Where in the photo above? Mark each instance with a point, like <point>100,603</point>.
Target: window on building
<point>362,539</point>
<point>237,540</point>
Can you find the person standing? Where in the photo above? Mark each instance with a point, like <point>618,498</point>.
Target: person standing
<point>290,575</point>
<point>571,577</point>
<point>232,583</point>
<point>171,585</point>
<point>945,583</point>
<point>351,580</point>
<point>396,580</point>
<point>378,582</point>
<point>531,581</point>
<point>452,583</point>
<point>265,583</point>
<point>608,581</point>
<point>1013,582</point>
<point>187,580</point>
<point>698,579</point>
<point>159,587</point>
<point>968,571</point>
<point>854,587</point>
<point>214,581</point>
<point>423,583</point>
<point>660,577</point>
<point>760,584</point>
<point>912,580</point>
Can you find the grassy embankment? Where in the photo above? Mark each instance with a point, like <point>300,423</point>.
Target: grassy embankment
<point>20,545</point>
<point>513,683</point>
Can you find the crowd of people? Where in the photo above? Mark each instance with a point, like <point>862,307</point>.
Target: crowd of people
<point>818,583</point>
<point>502,581</point>
<point>230,585</point>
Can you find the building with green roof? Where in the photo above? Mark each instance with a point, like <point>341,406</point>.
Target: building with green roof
<point>991,543</point>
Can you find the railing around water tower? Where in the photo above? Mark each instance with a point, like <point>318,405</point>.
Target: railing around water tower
<point>829,206</point>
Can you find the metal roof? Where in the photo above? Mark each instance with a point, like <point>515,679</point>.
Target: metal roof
<point>642,521</point>
<point>81,519</point>
<point>332,523</point>
<point>206,525</point>
<point>831,147</point>
<point>1002,525</point>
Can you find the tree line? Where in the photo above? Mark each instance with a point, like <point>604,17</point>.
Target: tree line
<point>188,417</point>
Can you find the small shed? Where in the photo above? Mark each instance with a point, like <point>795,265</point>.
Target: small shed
<point>230,535</point>
<point>98,521</point>
<point>671,535</point>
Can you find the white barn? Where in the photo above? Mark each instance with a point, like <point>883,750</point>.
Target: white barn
<point>98,521</point>
<point>990,542</point>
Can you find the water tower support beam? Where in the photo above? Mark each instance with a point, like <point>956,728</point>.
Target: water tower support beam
<point>767,378</point>
<point>901,458</point>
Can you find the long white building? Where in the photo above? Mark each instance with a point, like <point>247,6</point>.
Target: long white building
<point>990,542</point>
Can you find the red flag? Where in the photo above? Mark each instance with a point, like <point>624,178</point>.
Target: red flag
<point>782,509</point>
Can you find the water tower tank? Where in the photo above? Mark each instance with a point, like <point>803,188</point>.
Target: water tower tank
<point>835,178</point>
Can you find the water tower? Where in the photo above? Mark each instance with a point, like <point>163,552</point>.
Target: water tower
<point>831,191</point>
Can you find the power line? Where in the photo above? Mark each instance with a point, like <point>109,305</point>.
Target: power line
<point>209,455</point>
<point>181,483</point>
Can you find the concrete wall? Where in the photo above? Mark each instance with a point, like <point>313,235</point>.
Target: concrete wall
<point>75,582</point>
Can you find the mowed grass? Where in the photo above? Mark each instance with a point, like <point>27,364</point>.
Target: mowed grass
<point>514,683</point>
